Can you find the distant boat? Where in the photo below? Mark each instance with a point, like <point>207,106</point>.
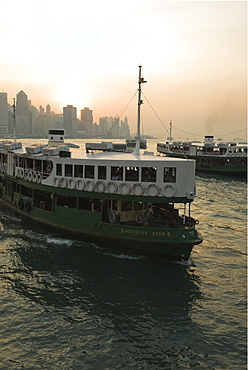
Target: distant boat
<point>131,143</point>
<point>228,158</point>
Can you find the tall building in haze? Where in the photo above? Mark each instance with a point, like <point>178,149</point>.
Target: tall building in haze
<point>70,121</point>
<point>23,114</point>
<point>3,113</point>
<point>87,120</point>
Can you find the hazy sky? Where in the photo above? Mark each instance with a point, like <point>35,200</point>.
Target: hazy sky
<point>86,53</point>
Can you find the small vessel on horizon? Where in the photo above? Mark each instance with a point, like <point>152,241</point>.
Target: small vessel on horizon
<point>131,143</point>
<point>101,194</point>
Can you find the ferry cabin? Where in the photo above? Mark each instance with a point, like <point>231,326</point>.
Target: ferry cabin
<point>123,187</point>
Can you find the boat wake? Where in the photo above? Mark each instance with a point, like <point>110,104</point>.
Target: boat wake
<point>118,255</point>
<point>59,241</point>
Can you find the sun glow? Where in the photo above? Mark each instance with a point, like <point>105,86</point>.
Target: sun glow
<point>72,95</point>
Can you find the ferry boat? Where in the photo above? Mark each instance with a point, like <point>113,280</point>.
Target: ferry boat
<point>131,143</point>
<point>125,200</point>
<point>227,158</point>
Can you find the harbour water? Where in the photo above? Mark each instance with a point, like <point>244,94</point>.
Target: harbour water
<point>67,305</point>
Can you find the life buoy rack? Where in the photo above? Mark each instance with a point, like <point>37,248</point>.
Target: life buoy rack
<point>112,217</point>
<point>90,185</point>
<point>139,218</point>
<point>124,188</point>
<point>153,190</point>
<point>63,182</point>
<point>56,181</point>
<point>169,190</point>
<point>80,184</point>
<point>138,189</point>
<point>100,186</point>
<point>71,183</point>
<point>112,187</point>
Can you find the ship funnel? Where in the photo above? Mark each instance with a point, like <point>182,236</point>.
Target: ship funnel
<point>56,137</point>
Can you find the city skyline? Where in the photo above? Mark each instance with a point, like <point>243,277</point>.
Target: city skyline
<point>32,122</point>
<point>193,55</point>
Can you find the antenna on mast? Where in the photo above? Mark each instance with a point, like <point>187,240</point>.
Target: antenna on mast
<point>14,116</point>
<point>140,82</point>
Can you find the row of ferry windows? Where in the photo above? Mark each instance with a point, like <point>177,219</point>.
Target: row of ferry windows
<point>148,174</point>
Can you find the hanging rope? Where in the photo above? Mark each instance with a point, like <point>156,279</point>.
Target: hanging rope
<point>155,112</point>
<point>117,119</point>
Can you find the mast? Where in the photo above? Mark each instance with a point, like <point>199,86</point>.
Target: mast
<point>14,116</point>
<point>140,81</point>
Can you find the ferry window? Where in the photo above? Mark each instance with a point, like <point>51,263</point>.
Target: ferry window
<point>64,201</point>
<point>138,206</point>
<point>102,172</point>
<point>149,174</point>
<point>29,163</point>
<point>114,205</point>
<point>68,170</point>
<point>117,173</point>
<point>45,168</point>
<point>28,192</point>
<point>170,174</point>
<point>78,170</point>
<point>59,169</point>
<point>132,174</point>
<point>21,162</point>
<point>37,165</point>
<point>89,172</point>
<point>96,205</point>
<point>84,203</point>
<point>126,206</point>
<point>43,200</point>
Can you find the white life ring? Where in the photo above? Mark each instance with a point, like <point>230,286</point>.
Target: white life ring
<point>100,186</point>
<point>139,218</point>
<point>39,178</point>
<point>71,183</point>
<point>169,190</point>
<point>35,177</point>
<point>80,184</point>
<point>21,173</point>
<point>56,181</point>
<point>63,182</point>
<point>124,188</point>
<point>90,185</point>
<point>30,176</point>
<point>112,187</point>
<point>112,217</point>
<point>26,175</point>
<point>138,189</point>
<point>153,190</point>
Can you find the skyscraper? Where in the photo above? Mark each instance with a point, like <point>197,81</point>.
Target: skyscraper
<point>87,120</point>
<point>3,113</point>
<point>70,119</point>
<point>23,114</point>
